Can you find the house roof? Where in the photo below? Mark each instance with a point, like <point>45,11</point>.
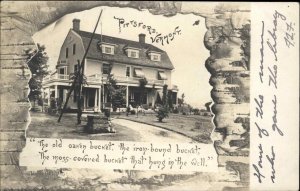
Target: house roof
<point>120,55</point>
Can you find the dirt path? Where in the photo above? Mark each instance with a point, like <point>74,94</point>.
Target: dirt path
<point>150,133</point>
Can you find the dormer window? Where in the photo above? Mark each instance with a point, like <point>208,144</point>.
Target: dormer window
<point>155,56</point>
<point>132,53</point>
<point>107,49</point>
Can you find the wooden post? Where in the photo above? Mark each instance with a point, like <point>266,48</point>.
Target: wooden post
<point>56,92</point>
<point>99,99</point>
<point>95,100</point>
<point>49,96</point>
<point>127,95</point>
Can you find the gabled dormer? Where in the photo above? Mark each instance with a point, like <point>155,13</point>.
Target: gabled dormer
<point>107,48</point>
<point>132,52</point>
<point>154,56</point>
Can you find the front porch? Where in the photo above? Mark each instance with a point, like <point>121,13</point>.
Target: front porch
<point>96,96</point>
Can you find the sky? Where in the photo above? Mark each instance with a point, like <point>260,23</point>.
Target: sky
<point>186,51</point>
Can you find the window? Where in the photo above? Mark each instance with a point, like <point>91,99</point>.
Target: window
<point>61,70</point>
<point>107,49</point>
<point>128,71</point>
<point>154,56</point>
<point>105,69</point>
<point>67,52</point>
<point>132,53</point>
<point>74,49</point>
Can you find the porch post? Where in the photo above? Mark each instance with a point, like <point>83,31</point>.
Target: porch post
<point>56,91</point>
<point>65,92</point>
<point>49,96</point>
<point>103,96</point>
<point>99,99</point>
<point>127,95</point>
<point>95,102</point>
<point>84,99</point>
<point>154,97</point>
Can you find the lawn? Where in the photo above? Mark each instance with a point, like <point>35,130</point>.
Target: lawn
<point>196,127</point>
<point>42,125</point>
<point>46,126</point>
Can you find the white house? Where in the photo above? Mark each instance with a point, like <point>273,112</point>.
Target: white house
<point>129,61</point>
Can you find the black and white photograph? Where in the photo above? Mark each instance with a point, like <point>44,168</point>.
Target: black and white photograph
<point>147,95</point>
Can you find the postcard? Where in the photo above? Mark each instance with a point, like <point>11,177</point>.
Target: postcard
<point>150,95</point>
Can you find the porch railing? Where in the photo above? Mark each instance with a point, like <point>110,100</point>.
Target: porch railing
<point>99,78</point>
<point>57,76</point>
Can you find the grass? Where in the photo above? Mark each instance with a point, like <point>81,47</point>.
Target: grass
<point>46,126</point>
<point>196,127</point>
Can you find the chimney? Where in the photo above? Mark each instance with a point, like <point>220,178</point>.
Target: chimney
<point>76,24</point>
<point>142,38</point>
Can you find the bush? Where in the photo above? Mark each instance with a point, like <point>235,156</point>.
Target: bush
<point>162,113</point>
<point>196,111</point>
<point>175,110</point>
<point>185,110</point>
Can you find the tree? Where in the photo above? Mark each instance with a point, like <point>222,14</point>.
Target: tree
<point>207,105</point>
<point>143,82</point>
<point>37,62</point>
<point>111,85</point>
<point>163,112</point>
<point>115,92</point>
<point>245,37</point>
<point>118,97</point>
<point>164,97</point>
<point>170,101</point>
<point>182,99</point>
